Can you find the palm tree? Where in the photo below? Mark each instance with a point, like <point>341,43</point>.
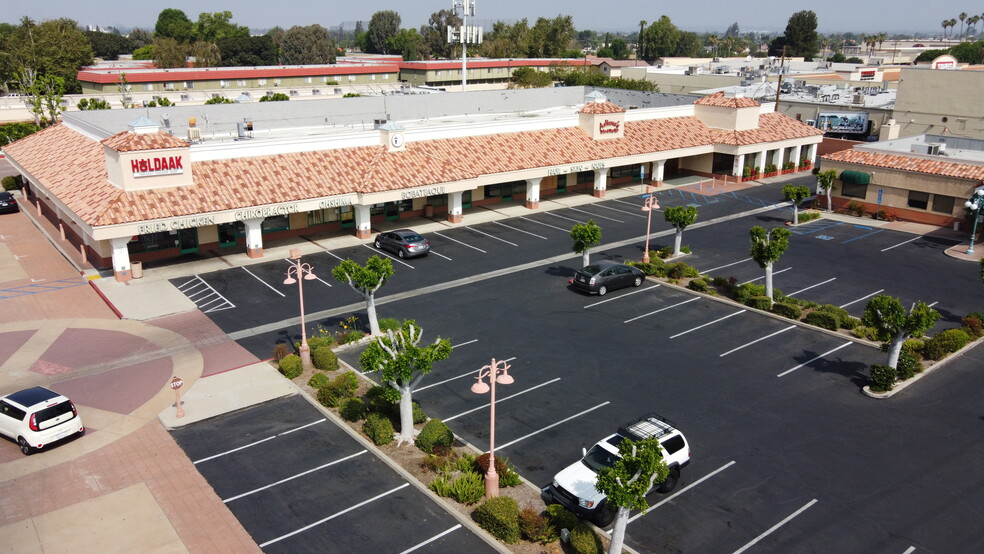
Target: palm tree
<point>953,23</point>
<point>972,21</point>
<point>714,40</point>
<point>881,39</point>
<point>945,23</point>
<point>642,40</point>
<point>962,16</point>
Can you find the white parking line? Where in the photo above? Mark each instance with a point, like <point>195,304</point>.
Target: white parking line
<point>333,516</point>
<point>469,374</point>
<point>812,286</point>
<point>432,539</point>
<point>254,443</point>
<point>706,271</point>
<point>827,353</point>
<point>596,215</point>
<point>441,255</point>
<point>520,230</point>
<point>661,309</point>
<point>634,214</point>
<point>394,258</point>
<point>264,282</point>
<point>486,405</point>
<point>291,262</point>
<point>681,491</point>
<point>463,343</point>
<point>461,243</point>
<point>879,291</point>
<point>491,236</point>
<point>333,255</point>
<point>756,340</point>
<point>621,296</point>
<point>776,526</point>
<point>708,323</point>
<point>901,243</point>
<point>292,477</point>
<point>563,217</point>
<point>542,429</point>
<point>763,277</point>
<point>910,550</point>
<point>545,224</point>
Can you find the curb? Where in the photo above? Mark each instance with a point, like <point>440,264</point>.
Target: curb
<point>903,384</point>
<point>92,284</point>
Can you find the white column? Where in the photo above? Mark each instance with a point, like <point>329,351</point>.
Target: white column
<point>533,193</point>
<point>600,182</point>
<point>454,207</point>
<point>813,154</point>
<point>762,157</point>
<point>363,227</point>
<point>658,176</point>
<point>738,166</point>
<point>796,155</point>
<point>254,237</point>
<point>121,259</point>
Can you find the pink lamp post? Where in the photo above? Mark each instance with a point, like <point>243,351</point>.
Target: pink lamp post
<point>496,372</point>
<point>651,205</point>
<point>304,272</point>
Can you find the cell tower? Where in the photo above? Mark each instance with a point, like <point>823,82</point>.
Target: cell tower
<point>464,34</point>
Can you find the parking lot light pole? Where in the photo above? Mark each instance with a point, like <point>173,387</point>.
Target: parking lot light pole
<point>650,205</point>
<point>975,204</point>
<point>497,373</point>
<point>304,272</point>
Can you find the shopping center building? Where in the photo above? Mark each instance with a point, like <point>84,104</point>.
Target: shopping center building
<point>154,184</point>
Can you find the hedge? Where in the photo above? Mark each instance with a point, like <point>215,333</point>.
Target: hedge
<point>790,311</point>
<point>353,409</point>
<point>379,428</point>
<point>583,540</point>
<point>823,320</point>
<point>500,517</point>
<point>759,303</point>
<point>945,342</point>
<point>324,358</point>
<point>435,433</point>
<point>883,377</point>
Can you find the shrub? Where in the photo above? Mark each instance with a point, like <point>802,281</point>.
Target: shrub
<point>500,517</point>
<point>353,409</point>
<point>865,332</point>
<point>699,285</point>
<point>535,527</point>
<point>790,311</point>
<point>882,377</point>
<point>433,434</point>
<point>808,216</point>
<point>379,428</point>
<point>943,343</point>
<point>908,365</point>
<point>584,541</point>
<point>664,252</point>
<point>844,319</point>
<point>654,267</point>
<point>324,358</point>
<point>419,416</point>
<point>10,182</point>
<point>376,400</point>
<point>560,517</point>
<point>281,351</point>
<point>823,320</point>
<point>508,476</point>
<point>973,324</point>
<point>350,337</point>
<point>742,293</point>
<point>468,488</point>
<point>319,341</point>
<point>318,380</point>
<point>680,270</point>
<point>344,386</point>
<point>290,366</point>
<point>759,303</point>
<point>347,382</point>
<point>389,324</point>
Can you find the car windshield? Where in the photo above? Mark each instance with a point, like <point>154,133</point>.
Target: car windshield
<point>413,237</point>
<point>592,269</point>
<point>598,458</point>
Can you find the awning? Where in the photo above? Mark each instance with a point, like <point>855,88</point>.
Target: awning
<point>852,177</point>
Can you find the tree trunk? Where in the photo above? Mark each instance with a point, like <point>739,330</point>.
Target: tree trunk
<point>371,310</point>
<point>585,258</point>
<point>768,282</point>
<point>677,241</point>
<point>894,349</point>
<point>796,214</point>
<point>406,416</point>
<point>829,201</point>
<point>618,531</point>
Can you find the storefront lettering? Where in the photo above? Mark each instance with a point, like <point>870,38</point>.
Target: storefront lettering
<point>420,193</point>
<point>166,165</point>
<point>266,211</point>
<point>575,168</point>
<point>175,224</point>
<point>335,202</point>
<point>608,126</point>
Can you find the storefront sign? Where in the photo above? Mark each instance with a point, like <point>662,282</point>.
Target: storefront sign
<point>174,224</point>
<point>150,167</point>
<point>608,126</point>
<point>335,202</point>
<point>868,75</point>
<point>421,193</point>
<point>266,211</point>
<point>575,168</point>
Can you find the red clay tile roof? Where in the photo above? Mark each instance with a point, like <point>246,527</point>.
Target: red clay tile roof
<point>915,164</point>
<point>720,100</point>
<point>133,142</point>
<point>601,108</point>
<point>772,127</point>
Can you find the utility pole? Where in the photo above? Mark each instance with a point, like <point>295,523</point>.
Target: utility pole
<point>782,62</point>
<point>464,34</point>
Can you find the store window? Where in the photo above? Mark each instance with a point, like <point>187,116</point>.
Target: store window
<point>438,200</point>
<point>320,217</point>
<point>241,82</point>
<point>918,200</point>
<point>377,209</point>
<point>276,223</point>
<point>943,204</point>
<point>625,171</point>
<point>585,177</point>
<point>153,241</point>
<point>854,190</point>
<point>189,84</point>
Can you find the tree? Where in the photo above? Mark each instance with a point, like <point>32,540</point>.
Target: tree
<point>247,51</point>
<point>206,54</point>
<point>767,248</point>
<point>620,50</point>
<point>54,47</point>
<point>679,217</point>
<point>585,235</point>
<point>962,16</point>
<point>435,33</point>
<point>170,53</point>
<point>796,195</point>
<point>733,30</point>
<point>801,34</point>
<point>109,46</point>
<point>383,26</point>
<point>662,38</point>
<point>551,38</point>
<point>409,44</point>
<point>174,24</point>
<point>44,95</point>
<point>402,363</point>
<point>641,54</point>
<point>825,182</point>
<point>309,45</point>
<point>366,280</point>
<point>626,483</point>
<point>275,97</point>
<point>894,325</point>
<point>140,38</point>
<point>213,27</point>
<point>528,77</point>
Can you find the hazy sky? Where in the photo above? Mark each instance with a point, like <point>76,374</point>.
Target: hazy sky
<point>862,16</point>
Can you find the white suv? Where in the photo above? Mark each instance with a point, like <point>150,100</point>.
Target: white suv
<point>37,417</point>
<point>574,486</point>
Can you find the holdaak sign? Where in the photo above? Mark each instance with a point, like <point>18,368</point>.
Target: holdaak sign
<point>160,165</point>
<point>845,122</point>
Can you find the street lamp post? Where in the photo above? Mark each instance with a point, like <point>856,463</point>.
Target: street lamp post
<point>975,204</point>
<point>306,274</point>
<point>651,205</point>
<point>497,373</point>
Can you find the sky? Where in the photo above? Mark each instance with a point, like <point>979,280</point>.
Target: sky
<point>859,16</point>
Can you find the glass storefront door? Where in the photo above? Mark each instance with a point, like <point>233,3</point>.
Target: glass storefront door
<point>188,240</point>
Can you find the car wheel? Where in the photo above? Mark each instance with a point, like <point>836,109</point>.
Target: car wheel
<point>24,447</point>
<point>671,481</point>
<point>401,254</point>
<point>637,282</point>
<point>602,290</point>
<point>605,515</point>
<point>378,244</point>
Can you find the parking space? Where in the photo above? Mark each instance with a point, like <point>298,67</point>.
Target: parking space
<point>298,483</point>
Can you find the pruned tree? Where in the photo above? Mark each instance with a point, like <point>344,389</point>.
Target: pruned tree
<point>402,363</point>
<point>894,325</point>
<point>585,235</point>
<point>767,248</point>
<point>174,24</point>
<point>795,194</point>
<point>366,280</point>
<point>825,183</point>
<point>680,217</point>
<point>626,483</point>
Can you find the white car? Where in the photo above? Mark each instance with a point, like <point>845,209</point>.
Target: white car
<point>36,417</point>
<point>574,487</point>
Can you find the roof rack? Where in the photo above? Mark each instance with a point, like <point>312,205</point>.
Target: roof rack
<point>649,425</point>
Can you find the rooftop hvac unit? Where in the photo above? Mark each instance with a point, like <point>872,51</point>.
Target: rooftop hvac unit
<point>693,70</point>
<point>194,134</point>
<point>858,99</point>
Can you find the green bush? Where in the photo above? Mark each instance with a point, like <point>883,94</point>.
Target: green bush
<point>787,310</point>
<point>944,342</point>
<point>808,216</point>
<point>535,527</point>
<point>882,378</point>
<point>349,337</point>
<point>347,382</point>
<point>759,303</point>
<point>823,320</point>
<point>389,324</point>
<point>353,409</point>
<point>560,517</point>
<point>319,341</point>
<point>318,380</point>
<point>865,332</point>
<point>419,416</point>
<point>908,365</point>
<point>699,285</point>
<point>379,428</point>
<point>973,325</point>
<point>376,400</point>
<point>468,488</point>
<point>433,434</point>
<point>11,182</point>
<point>583,540</point>
<point>742,293</point>
<point>508,476</point>
<point>324,358</point>
<point>655,267</point>
<point>844,319</point>
<point>679,270</point>
<point>290,366</point>
<point>500,517</point>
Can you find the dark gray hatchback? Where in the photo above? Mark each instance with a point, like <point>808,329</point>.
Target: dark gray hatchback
<point>603,276</point>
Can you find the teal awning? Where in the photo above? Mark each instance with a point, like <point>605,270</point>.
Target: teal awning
<point>855,177</point>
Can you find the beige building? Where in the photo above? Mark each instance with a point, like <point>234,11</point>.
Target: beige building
<point>940,101</point>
